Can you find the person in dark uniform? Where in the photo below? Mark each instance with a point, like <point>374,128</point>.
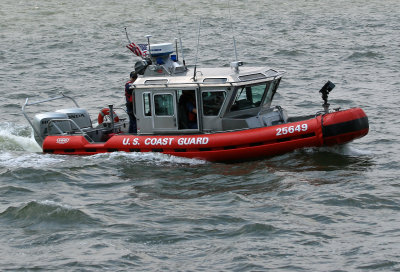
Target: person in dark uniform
<point>187,105</point>
<point>130,100</point>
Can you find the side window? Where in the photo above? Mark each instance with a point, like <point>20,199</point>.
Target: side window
<point>163,104</point>
<point>268,98</point>
<point>146,104</point>
<point>272,87</point>
<point>212,102</point>
<point>257,94</point>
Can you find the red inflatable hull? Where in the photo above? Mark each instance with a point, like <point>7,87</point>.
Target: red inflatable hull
<point>329,129</point>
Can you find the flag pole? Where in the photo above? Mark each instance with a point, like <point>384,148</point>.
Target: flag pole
<point>126,33</point>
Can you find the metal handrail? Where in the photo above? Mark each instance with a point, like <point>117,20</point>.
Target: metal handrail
<point>53,121</point>
<point>50,99</point>
<point>42,101</point>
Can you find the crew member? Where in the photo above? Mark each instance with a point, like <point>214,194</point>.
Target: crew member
<point>130,99</point>
<point>188,103</point>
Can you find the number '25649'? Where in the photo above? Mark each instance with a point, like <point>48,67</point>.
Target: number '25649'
<point>291,129</point>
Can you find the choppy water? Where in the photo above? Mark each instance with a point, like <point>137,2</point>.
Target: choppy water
<point>331,209</point>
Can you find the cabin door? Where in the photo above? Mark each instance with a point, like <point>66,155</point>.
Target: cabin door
<point>164,111</point>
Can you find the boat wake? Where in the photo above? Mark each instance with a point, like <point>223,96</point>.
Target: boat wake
<point>15,140</point>
<point>346,150</point>
<point>150,158</point>
<point>15,137</point>
<point>28,160</point>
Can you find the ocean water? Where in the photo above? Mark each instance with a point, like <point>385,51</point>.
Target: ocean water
<point>315,209</point>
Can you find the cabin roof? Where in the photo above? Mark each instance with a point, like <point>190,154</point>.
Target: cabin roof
<point>208,77</point>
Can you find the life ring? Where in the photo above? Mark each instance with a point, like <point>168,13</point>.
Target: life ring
<point>103,113</point>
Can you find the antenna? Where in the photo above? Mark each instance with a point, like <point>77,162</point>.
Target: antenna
<point>148,43</point>
<point>176,49</point>
<point>236,63</point>
<point>180,38</point>
<point>233,33</point>
<point>197,51</point>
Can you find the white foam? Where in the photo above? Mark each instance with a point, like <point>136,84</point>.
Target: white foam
<point>54,204</point>
<point>147,157</point>
<point>9,134</point>
<point>13,141</point>
<point>28,160</point>
<point>347,150</point>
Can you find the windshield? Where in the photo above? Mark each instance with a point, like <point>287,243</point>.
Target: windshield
<point>248,97</point>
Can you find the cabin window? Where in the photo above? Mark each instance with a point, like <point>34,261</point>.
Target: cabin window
<point>212,102</point>
<point>163,104</point>
<point>146,104</point>
<point>248,97</point>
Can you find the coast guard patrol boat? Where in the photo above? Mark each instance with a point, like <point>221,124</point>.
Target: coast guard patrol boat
<point>235,118</point>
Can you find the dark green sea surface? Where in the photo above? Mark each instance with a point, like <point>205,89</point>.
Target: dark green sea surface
<point>315,209</point>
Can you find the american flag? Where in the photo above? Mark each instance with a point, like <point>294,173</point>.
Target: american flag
<point>139,50</point>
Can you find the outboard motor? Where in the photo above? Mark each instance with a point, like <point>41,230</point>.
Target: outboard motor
<point>79,116</point>
<point>61,122</point>
<point>41,124</point>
